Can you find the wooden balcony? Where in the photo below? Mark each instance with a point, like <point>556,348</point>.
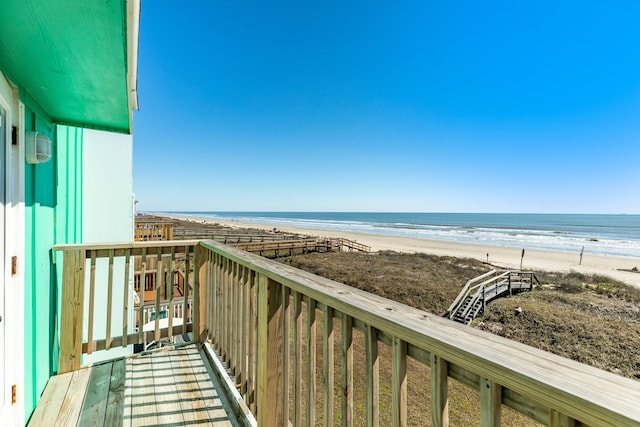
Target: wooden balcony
<point>288,340</point>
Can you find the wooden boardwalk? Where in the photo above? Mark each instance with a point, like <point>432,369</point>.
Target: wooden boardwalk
<point>260,242</point>
<point>171,386</point>
<point>474,297</point>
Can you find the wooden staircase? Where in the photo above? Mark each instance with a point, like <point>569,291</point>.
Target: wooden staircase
<point>481,290</point>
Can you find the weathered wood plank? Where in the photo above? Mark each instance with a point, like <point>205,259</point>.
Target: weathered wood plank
<point>144,411</point>
<point>71,311</point>
<point>187,274</point>
<point>372,380</point>
<point>171,279</point>
<point>347,370</point>
<point>73,400</point>
<point>297,359</point>
<point>328,365</point>
<point>170,410</point>
<point>285,302</point>
<point>556,419</point>
<point>159,282</point>
<point>115,403</point>
<point>269,355</point>
<point>439,392</point>
<point>200,294</point>
<point>128,392</point>
<point>143,266</point>
<point>490,403</point>
<point>126,294</point>
<point>51,400</point>
<point>399,382</point>
<point>253,342</point>
<point>311,361</point>
<point>109,299</point>
<point>95,402</point>
<point>92,292</point>
<point>244,333</point>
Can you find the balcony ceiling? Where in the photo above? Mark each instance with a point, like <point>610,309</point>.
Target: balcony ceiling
<point>76,59</point>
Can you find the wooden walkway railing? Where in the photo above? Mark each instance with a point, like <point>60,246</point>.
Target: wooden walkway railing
<point>153,231</point>
<point>276,329</point>
<point>474,297</point>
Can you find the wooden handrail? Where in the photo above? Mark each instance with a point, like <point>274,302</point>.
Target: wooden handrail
<point>539,384</point>
<point>256,313</point>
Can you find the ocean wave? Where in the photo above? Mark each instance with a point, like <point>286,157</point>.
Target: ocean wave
<point>595,238</point>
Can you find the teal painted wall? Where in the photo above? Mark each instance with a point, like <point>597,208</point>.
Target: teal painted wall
<point>40,287</point>
<point>53,209</point>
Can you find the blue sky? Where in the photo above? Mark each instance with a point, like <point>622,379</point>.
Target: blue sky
<point>425,106</point>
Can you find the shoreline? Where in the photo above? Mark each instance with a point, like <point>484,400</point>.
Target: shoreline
<point>507,257</point>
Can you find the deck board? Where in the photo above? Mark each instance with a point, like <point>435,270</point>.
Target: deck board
<point>115,403</point>
<point>171,386</point>
<point>51,400</point>
<point>167,400</point>
<point>95,401</point>
<point>143,401</point>
<point>74,398</point>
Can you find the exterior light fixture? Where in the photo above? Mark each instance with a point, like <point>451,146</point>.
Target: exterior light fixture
<point>38,148</point>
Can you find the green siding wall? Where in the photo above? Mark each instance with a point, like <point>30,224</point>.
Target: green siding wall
<point>53,209</point>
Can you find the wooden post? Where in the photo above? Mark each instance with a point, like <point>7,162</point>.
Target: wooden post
<point>125,298</point>
<point>297,359</point>
<point>521,259</point>
<point>399,382</point>
<point>199,294</point>
<point>328,368</point>
<point>92,286</point>
<point>372,368</point>
<point>490,403</point>
<point>347,370</point>
<point>109,301</point>
<point>311,361</point>
<point>141,286</point>
<point>72,311</point>
<point>439,392</point>
<point>269,399</point>
<point>581,253</point>
<point>557,419</point>
<point>285,351</point>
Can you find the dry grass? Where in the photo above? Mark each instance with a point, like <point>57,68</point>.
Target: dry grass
<point>423,281</point>
<point>591,319</point>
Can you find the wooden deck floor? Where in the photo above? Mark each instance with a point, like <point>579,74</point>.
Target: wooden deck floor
<point>167,387</point>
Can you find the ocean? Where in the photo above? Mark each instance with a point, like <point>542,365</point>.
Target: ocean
<point>614,235</point>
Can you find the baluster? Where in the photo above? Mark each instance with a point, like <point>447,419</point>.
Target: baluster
<point>92,287</point>
<point>372,367</point>
<point>109,301</point>
<point>311,361</point>
<point>439,392</point>
<point>347,370</point>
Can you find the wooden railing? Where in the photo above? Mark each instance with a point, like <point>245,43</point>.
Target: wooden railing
<point>276,328</point>
<point>102,271</point>
<point>153,231</point>
<point>352,245</point>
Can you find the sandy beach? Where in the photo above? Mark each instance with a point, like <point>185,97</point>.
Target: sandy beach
<point>506,257</point>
